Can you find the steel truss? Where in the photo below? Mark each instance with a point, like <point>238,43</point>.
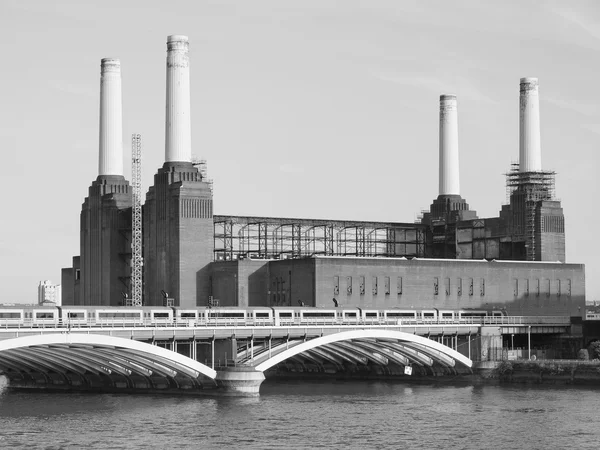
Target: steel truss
<point>237,237</point>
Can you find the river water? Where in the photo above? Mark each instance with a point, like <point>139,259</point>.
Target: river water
<point>301,414</point>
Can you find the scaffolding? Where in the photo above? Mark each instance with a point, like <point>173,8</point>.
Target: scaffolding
<point>136,222</point>
<point>238,237</point>
<point>525,191</point>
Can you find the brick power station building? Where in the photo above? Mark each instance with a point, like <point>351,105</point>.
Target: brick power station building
<point>452,259</point>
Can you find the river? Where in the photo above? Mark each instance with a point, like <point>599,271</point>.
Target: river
<point>315,414</point>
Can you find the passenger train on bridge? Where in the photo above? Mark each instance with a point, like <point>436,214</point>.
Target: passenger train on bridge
<point>94,316</point>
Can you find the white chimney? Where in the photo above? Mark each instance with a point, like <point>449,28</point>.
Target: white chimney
<point>530,152</point>
<point>449,170</point>
<point>111,119</point>
<point>178,134</point>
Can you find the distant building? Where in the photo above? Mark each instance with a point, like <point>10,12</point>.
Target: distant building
<point>49,293</point>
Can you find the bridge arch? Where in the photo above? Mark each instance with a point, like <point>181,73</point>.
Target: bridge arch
<point>411,342</point>
<point>86,354</point>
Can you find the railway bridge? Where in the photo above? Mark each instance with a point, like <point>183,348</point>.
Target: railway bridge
<point>232,359</point>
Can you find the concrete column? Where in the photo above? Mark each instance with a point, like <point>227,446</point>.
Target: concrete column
<point>239,381</point>
<point>449,170</point>
<point>111,119</point>
<point>530,153</point>
<point>178,135</point>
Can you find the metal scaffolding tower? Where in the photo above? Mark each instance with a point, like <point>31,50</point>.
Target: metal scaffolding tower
<point>136,220</point>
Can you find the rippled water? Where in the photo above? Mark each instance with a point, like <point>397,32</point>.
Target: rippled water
<point>312,414</point>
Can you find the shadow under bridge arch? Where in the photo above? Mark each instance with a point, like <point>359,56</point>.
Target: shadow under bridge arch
<point>82,359</point>
<point>379,346</point>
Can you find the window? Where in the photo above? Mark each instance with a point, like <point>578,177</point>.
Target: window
<point>526,288</point>
<point>459,287</point>
<point>568,288</point>
<point>77,274</point>
<point>558,288</point>
<point>436,287</point>
<point>336,285</point>
<point>399,285</point>
<point>516,287</point>
<point>361,285</point>
<point>374,285</point>
<point>349,285</point>
<point>386,285</point>
<point>537,287</point>
<point>447,283</point>
<point>470,287</point>
<point>482,287</point>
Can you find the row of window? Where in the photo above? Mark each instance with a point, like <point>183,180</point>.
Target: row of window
<point>374,285</point>
<point>520,286</point>
<point>541,286</point>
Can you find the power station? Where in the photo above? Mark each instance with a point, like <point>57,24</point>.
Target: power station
<point>451,259</point>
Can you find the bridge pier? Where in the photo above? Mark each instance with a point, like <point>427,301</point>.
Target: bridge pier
<point>240,381</point>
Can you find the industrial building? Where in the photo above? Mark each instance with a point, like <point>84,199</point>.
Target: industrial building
<point>451,259</point>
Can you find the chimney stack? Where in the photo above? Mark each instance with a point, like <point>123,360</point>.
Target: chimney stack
<point>111,123</point>
<point>530,153</point>
<point>449,170</point>
<point>178,135</point>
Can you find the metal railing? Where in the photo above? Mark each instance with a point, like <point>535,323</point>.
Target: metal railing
<point>277,323</point>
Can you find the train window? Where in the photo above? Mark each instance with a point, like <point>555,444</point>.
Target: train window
<point>262,315</point>
<point>188,315</point>
<point>370,314</point>
<point>404,314</point>
<point>227,314</point>
<point>428,314</point>
<point>161,315</point>
<point>285,315</point>
<point>76,315</point>
<point>318,314</point>
<point>10,315</point>
<point>336,285</point>
<point>118,315</point>
<point>349,314</point>
<point>44,315</point>
<point>447,315</point>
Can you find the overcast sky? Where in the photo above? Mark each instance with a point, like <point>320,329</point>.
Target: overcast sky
<point>309,109</point>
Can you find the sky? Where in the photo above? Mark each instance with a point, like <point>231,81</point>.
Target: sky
<point>308,108</point>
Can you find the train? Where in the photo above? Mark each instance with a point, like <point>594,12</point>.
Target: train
<point>99,316</point>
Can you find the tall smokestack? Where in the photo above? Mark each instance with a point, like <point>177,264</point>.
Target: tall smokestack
<point>178,135</point>
<point>530,153</point>
<point>111,123</point>
<point>449,178</point>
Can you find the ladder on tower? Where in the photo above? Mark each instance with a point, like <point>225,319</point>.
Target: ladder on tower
<point>136,220</point>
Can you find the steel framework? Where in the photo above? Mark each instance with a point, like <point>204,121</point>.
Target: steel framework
<point>136,222</point>
<point>238,237</point>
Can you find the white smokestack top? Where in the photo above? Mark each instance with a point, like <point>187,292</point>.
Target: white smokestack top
<point>178,133</point>
<point>111,119</point>
<point>449,170</point>
<point>530,152</point>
